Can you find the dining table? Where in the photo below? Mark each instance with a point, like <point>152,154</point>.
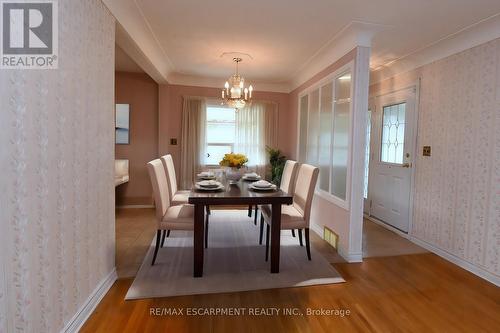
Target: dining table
<point>239,193</point>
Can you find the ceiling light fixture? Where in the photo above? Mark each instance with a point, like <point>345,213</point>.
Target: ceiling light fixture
<point>235,94</point>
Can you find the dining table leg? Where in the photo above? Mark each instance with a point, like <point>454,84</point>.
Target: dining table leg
<point>275,237</point>
<point>199,226</point>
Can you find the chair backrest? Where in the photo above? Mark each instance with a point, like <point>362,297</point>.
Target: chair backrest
<point>160,187</point>
<point>305,184</point>
<point>288,177</point>
<point>168,163</point>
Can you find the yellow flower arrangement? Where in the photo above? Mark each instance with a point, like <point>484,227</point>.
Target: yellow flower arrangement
<point>234,160</point>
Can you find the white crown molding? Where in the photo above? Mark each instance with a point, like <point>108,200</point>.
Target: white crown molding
<point>135,36</point>
<point>212,82</point>
<point>354,34</point>
<point>473,35</point>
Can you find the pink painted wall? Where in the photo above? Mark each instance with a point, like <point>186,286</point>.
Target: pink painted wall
<point>170,117</point>
<point>141,92</point>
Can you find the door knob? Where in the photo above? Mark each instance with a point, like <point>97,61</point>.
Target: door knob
<point>406,165</point>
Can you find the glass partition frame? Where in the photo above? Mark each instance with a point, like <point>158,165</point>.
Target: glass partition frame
<point>342,201</point>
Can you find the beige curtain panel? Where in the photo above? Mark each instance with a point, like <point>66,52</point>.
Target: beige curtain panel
<point>256,128</point>
<point>193,139</point>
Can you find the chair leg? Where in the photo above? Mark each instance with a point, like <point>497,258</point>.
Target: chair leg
<point>300,237</point>
<point>293,232</point>
<point>206,231</point>
<point>249,210</point>
<point>158,238</point>
<point>164,233</point>
<point>261,228</point>
<point>168,233</point>
<point>308,246</point>
<point>268,231</point>
<point>208,210</point>
<point>255,216</point>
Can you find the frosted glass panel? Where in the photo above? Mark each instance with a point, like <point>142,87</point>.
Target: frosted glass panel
<point>325,136</point>
<point>341,125</point>
<point>393,133</point>
<point>313,129</point>
<point>303,128</point>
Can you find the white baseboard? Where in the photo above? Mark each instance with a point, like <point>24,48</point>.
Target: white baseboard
<point>317,229</point>
<point>136,206</point>
<point>458,261</point>
<point>349,257</point>
<point>443,254</point>
<point>90,304</point>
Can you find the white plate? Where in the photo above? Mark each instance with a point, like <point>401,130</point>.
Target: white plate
<point>205,177</point>
<point>209,184</point>
<point>201,188</point>
<point>251,178</point>
<point>270,188</point>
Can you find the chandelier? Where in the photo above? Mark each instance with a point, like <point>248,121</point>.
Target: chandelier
<point>235,94</point>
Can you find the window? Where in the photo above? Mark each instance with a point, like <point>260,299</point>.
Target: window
<point>221,128</point>
<point>393,133</point>
<point>324,130</point>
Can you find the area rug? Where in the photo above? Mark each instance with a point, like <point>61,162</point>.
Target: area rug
<point>234,262</point>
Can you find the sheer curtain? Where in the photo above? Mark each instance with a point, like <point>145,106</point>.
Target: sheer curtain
<point>256,128</point>
<point>193,139</point>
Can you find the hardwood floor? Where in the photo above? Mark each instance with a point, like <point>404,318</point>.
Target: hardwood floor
<point>410,293</point>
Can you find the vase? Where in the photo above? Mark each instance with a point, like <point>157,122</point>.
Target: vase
<point>233,175</point>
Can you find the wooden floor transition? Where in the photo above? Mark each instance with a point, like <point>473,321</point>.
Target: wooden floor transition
<point>406,293</point>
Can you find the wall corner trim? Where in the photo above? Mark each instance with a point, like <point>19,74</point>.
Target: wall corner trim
<point>81,316</point>
<point>349,257</point>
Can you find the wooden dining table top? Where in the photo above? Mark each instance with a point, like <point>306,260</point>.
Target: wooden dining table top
<point>239,193</point>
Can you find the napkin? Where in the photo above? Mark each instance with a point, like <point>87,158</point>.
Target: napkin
<point>262,183</point>
<point>251,175</point>
<point>208,183</point>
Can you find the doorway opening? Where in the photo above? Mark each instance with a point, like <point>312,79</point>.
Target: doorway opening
<point>390,150</point>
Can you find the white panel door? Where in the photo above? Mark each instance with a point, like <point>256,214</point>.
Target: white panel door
<point>392,158</point>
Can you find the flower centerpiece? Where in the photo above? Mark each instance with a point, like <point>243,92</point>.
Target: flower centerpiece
<point>234,162</point>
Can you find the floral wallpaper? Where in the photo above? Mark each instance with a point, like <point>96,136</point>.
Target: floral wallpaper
<point>56,180</point>
<point>457,189</point>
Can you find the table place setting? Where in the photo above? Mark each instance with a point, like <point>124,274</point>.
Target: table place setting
<point>262,185</point>
<point>206,175</point>
<point>252,176</point>
<point>209,185</point>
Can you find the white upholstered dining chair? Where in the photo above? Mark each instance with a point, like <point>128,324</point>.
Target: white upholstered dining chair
<point>180,217</point>
<point>286,185</point>
<point>178,197</point>
<point>296,215</point>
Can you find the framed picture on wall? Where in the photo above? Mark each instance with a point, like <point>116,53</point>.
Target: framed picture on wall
<point>122,124</point>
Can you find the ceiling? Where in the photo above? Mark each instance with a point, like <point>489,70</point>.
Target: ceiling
<point>283,35</point>
<point>123,63</point>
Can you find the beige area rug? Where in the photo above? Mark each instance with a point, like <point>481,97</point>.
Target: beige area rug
<point>234,262</point>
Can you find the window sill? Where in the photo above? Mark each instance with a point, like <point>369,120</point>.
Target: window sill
<point>332,199</point>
